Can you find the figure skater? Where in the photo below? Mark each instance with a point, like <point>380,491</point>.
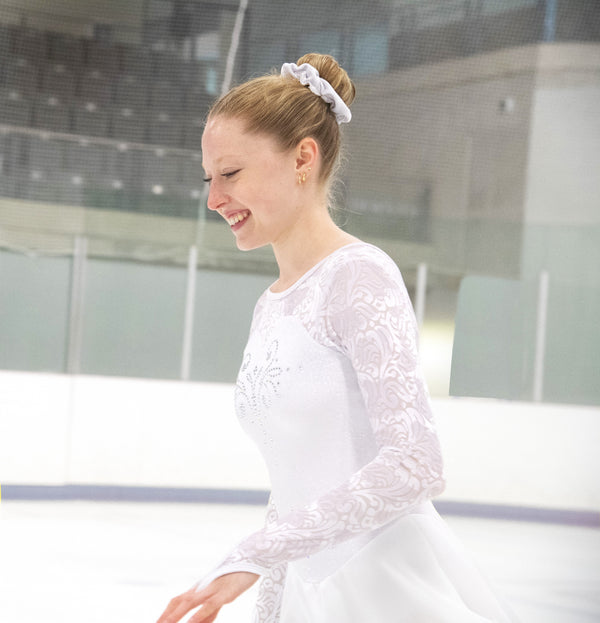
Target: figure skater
<point>329,386</point>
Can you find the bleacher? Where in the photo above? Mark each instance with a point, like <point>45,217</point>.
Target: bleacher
<point>112,126</point>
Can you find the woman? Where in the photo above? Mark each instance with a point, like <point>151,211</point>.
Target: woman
<point>329,386</point>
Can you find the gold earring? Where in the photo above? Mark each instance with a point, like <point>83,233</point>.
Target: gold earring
<point>302,176</point>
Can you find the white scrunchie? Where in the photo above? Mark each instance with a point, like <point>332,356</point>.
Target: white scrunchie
<point>309,76</point>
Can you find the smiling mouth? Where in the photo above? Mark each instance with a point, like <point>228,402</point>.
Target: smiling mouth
<point>238,218</point>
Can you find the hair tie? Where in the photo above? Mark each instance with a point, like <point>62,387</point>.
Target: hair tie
<point>309,76</point>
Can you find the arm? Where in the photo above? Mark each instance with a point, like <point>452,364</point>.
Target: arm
<point>225,588</point>
<point>370,319</point>
<point>268,603</point>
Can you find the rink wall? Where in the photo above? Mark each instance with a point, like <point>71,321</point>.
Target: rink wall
<point>58,430</point>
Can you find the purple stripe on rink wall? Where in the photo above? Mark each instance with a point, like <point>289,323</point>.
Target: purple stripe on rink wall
<point>519,513</point>
<point>110,493</point>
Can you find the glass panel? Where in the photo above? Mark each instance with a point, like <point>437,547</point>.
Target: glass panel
<point>224,305</point>
<point>494,339</point>
<point>133,320</point>
<point>437,332</point>
<point>34,311</point>
<point>572,362</point>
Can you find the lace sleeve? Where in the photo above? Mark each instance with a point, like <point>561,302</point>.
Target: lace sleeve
<point>368,316</point>
<point>270,591</point>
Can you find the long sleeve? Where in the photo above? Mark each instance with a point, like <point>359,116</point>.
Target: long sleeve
<point>270,590</point>
<point>368,317</point>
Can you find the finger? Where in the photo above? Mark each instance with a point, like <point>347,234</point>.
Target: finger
<point>179,606</point>
<point>207,614</point>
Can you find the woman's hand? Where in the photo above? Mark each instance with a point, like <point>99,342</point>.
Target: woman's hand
<point>219,592</point>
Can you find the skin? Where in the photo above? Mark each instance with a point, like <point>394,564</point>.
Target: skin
<point>293,218</point>
<point>221,591</point>
<point>251,178</point>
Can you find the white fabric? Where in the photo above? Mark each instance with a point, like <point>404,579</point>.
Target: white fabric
<point>330,390</point>
<point>413,572</point>
<point>309,76</point>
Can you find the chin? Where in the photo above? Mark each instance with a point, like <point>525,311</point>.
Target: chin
<point>248,245</point>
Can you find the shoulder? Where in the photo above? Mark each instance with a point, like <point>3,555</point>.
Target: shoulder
<point>360,262</point>
<point>363,277</point>
<point>365,289</point>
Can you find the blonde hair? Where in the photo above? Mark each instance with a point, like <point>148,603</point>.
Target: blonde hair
<point>288,111</point>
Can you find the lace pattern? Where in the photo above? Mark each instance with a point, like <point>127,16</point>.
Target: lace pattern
<point>270,590</point>
<point>355,304</point>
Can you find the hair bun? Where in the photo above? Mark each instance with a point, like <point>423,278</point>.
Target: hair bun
<point>330,70</point>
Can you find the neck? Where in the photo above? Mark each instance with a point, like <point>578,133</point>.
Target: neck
<point>310,240</point>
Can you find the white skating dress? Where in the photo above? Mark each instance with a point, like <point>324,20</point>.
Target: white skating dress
<point>331,391</point>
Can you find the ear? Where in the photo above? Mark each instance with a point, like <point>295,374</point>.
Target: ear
<point>307,154</point>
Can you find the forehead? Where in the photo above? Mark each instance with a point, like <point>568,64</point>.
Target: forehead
<point>227,138</point>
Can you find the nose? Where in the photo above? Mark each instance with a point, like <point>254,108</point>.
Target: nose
<point>216,198</point>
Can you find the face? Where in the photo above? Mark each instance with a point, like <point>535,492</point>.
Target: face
<point>252,182</point>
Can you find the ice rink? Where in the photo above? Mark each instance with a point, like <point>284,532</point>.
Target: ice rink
<point>99,562</point>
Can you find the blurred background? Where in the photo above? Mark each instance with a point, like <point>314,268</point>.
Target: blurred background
<point>473,159</point>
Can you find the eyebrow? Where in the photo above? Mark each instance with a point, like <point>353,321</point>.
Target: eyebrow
<point>219,160</point>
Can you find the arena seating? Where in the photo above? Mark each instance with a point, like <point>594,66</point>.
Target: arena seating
<point>92,117</point>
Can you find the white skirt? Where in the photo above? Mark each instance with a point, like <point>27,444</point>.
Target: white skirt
<point>414,571</point>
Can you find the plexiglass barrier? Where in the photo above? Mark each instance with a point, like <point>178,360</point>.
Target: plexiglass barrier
<point>534,338</point>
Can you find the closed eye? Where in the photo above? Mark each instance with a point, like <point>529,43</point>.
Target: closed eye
<point>230,173</point>
<point>227,175</point>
